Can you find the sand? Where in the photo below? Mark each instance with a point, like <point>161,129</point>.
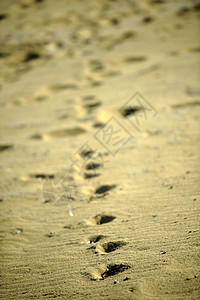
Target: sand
<point>99,149</point>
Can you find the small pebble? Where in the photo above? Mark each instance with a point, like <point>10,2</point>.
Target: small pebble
<point>116,281</point>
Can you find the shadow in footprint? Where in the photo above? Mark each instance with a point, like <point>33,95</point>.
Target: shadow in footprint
<point>86,153</point>
<point>5,147</point>
<point>36,136</point>
<point>100,219</point>
<point>92,106</point>
<point>110,246</point>
<point>98,125</point>
<point>135,59</point>
<point>90,175</point>
<point>31,55</point>
<point>64,133</point>
<point>63,86</point>
<point>104,188</point>
<point>92,166</point>
<point>97,220</point>
<point>186,104</point>
<point>106,271</point>
<point>114,269</point>
<point>127,111</point>
<point>42,176</point>
<point>93,239</point>
<point>3,16</point>
<point>89,98</point>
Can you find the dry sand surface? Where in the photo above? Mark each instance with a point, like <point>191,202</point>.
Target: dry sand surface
<point>99,149</point>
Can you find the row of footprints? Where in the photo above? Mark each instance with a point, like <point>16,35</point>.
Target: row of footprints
<point>98,247</point>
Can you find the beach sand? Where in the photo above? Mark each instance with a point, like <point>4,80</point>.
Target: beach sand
<point>99,149</point>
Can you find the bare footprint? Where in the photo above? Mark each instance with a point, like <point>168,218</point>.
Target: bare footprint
<point>62,133</point>
<point>127,35</point>
<point>134,59</point>
<point>90,175</point>
<point>37,176</point>
<point>36,136</point>
<point>92,105</point>
<point>108,247</point>
<point>93,239</point>
<point>92,166</point>
<point>95,193</point>
<point>88,152</point>
<point>97,220</point>
<point>100,219</point>
<point>88,98</point>
<point>96,65</point>
<point>186,104</point>
<point>63,86</point>
<point>5,147</point>
<point>104,188</point>
<point>106,271</point>
<point>130,110</point>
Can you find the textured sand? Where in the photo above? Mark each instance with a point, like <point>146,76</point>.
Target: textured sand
<point>99,149</point>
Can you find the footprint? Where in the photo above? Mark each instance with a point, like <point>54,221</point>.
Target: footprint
<point>127,35</point>
<point>194,49</point>
<point>192,91</point>
<point>88,170</point>
<point>62,133</point>
<point>21,101</point>
<point>36,136</point>
<point>134,59</point>
<point>86,153</point>
<point>157,2</point>
<point>96,65</point>
<point>106,271</point>
<point>108,247</point>
<point>31,55</point>
<point>147,19</point>
<point>90,175</point>
<point>186,9</point>
<point>90,103</point>
<point>92,239</point>
<point>88,98</point>
<point>100,219</point>
<point>104,188</point>
<point>97,220</point>
<point>42,176</point>
<point>63,116</point>
<point>5,147</point>
<point>91,106</point>
<point>186,104</point>
<point>92,166</point>
<point>3,16</point>
<point>111,43</point>
<point>98,125</point>
<point>44,92</point>
<point>130,110</point>
<point>92,192</point>
<point>63,86</point>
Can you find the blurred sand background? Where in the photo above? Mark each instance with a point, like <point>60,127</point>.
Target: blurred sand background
<point>99,149</point>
